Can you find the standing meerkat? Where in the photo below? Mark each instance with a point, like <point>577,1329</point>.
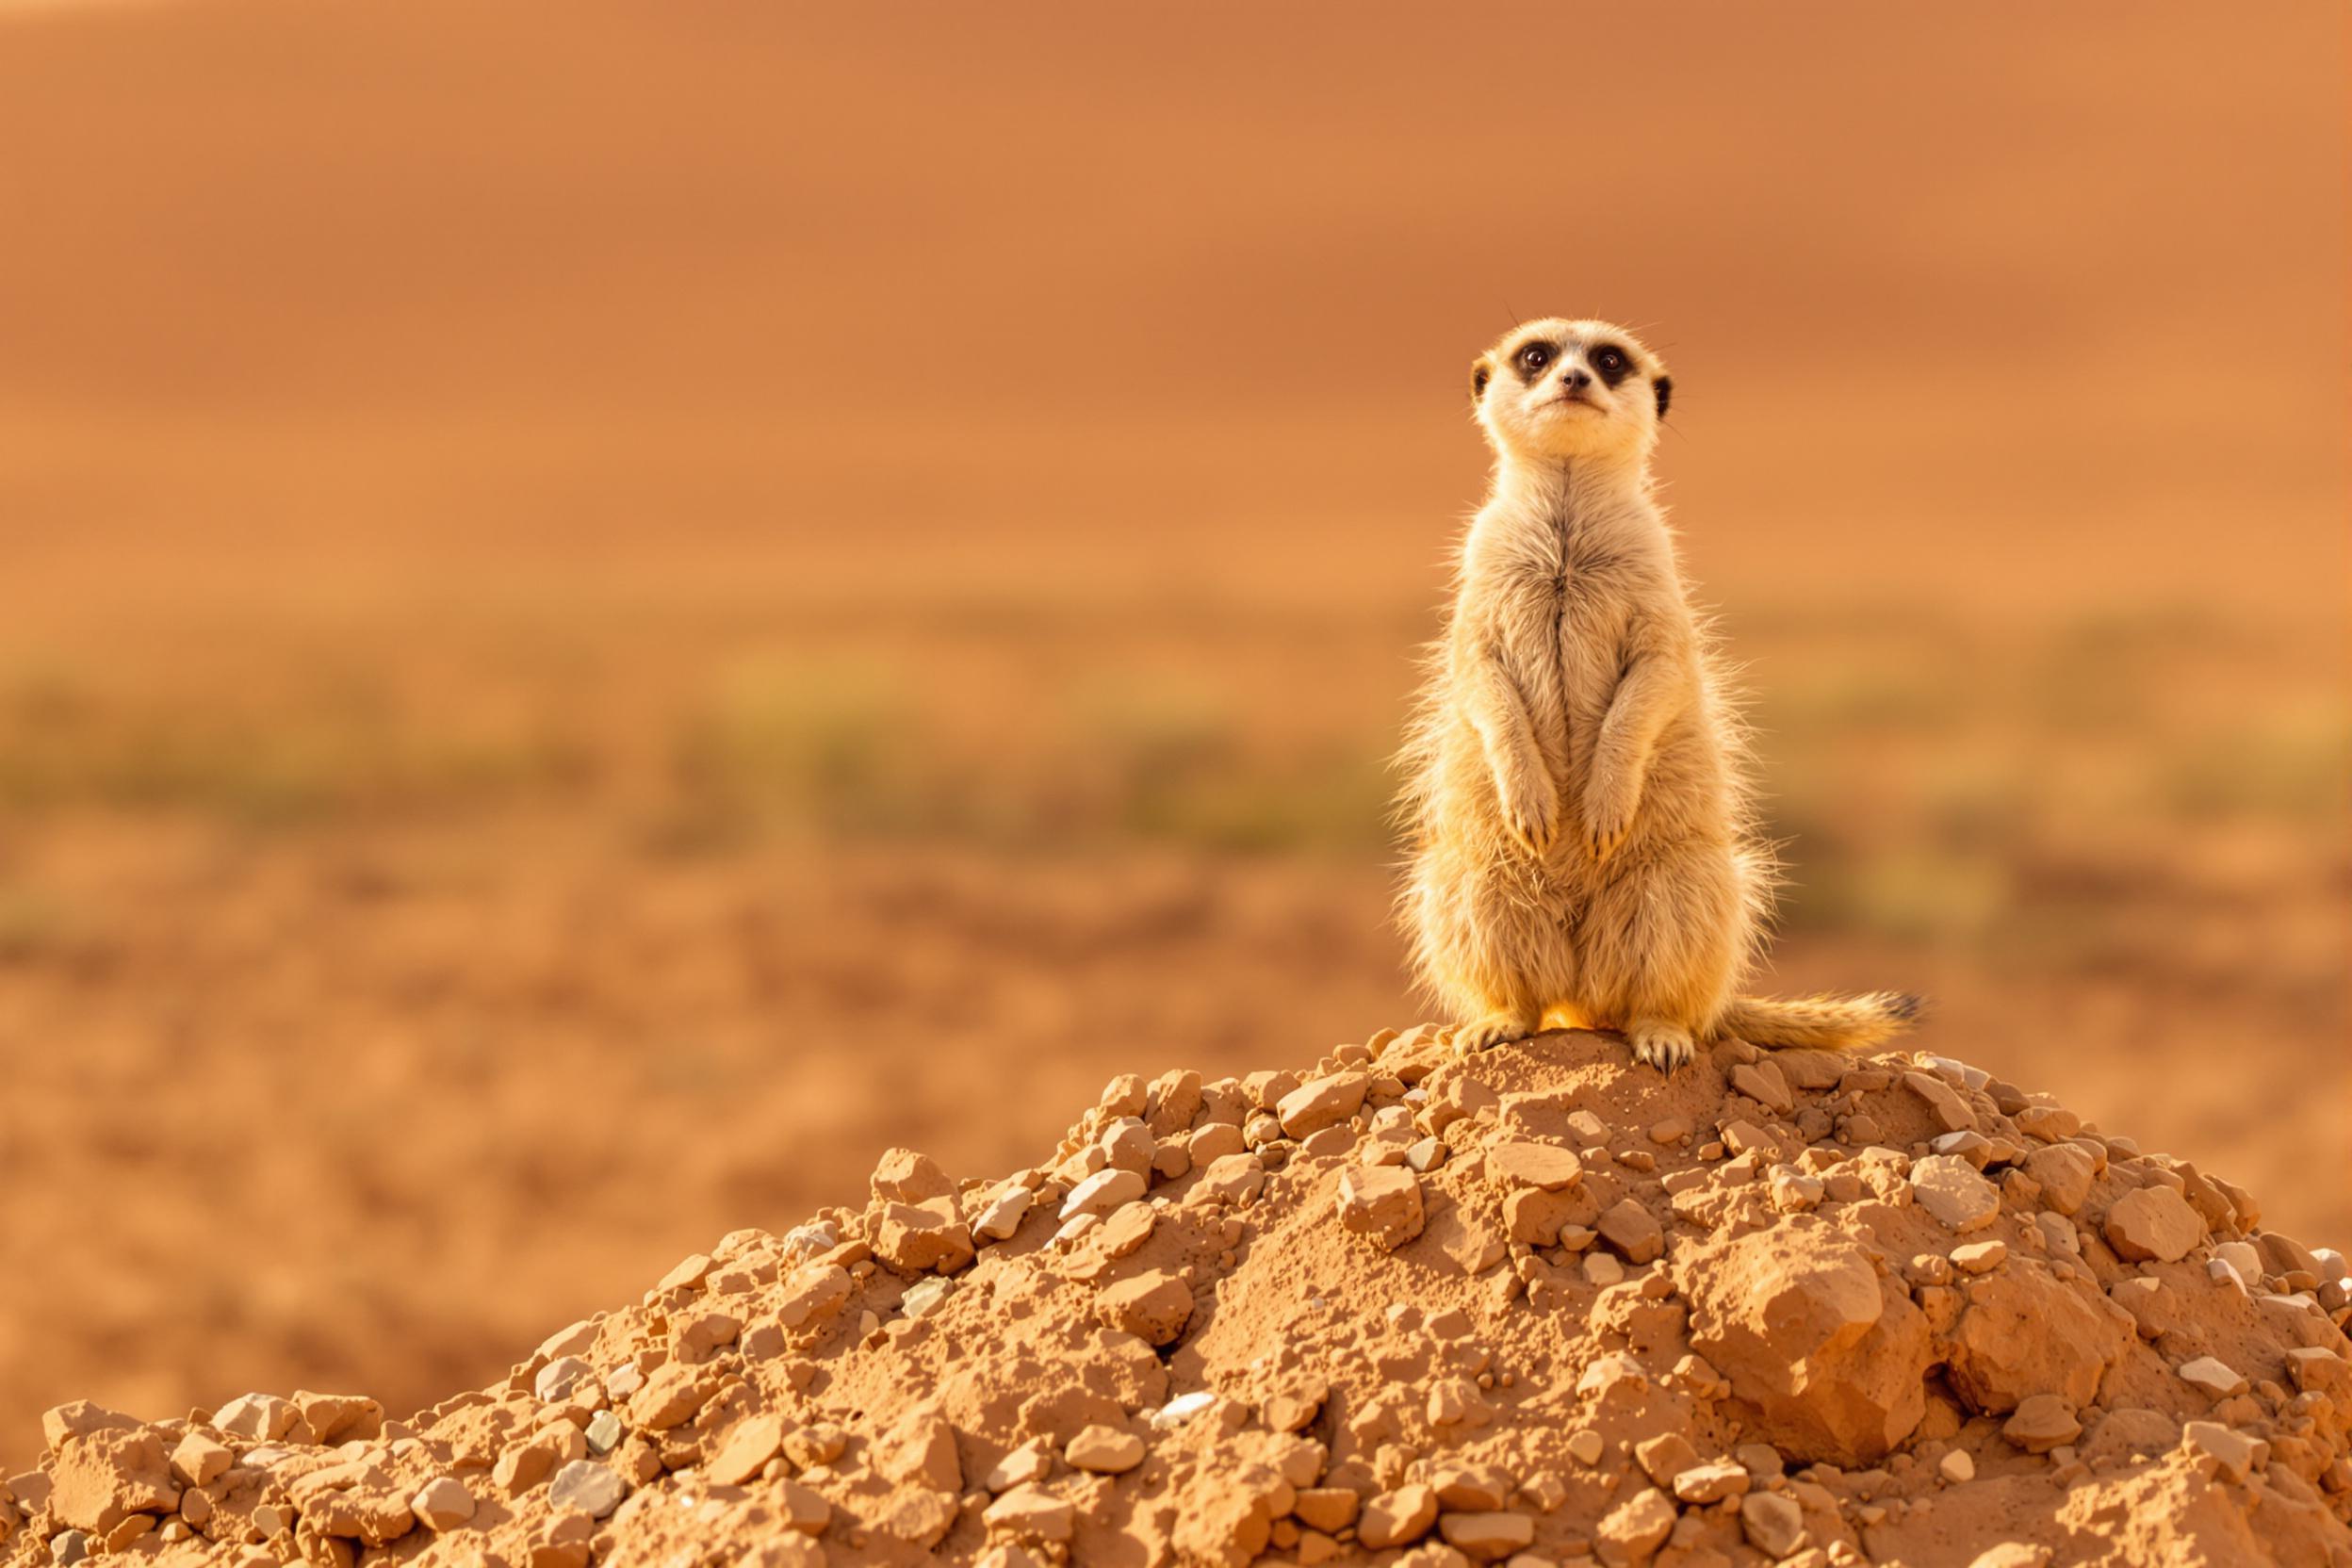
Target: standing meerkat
<point>1584,844</point>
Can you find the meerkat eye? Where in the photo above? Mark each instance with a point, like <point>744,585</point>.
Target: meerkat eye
<point>1535,356</point>
<point>1609,359</point>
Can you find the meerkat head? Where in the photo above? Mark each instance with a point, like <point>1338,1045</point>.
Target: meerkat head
<point>1570,389</point>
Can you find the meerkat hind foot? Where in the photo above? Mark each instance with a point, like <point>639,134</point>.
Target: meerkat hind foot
<point>1663,1046</point>
<point>1497,1028</point>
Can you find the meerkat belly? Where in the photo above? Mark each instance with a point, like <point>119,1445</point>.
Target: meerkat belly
<point>1591,660</point>
<point>1569,667</point>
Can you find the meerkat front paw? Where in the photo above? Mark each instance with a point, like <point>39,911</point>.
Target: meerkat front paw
<point>1494,1029</point>
<point>1663,1046</point>
<point>1531,812</point>
<point>1606,824</point>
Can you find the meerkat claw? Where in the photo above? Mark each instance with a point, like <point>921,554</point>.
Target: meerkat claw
<point>1663,1047</point>
<point>1493,1030</point>
<point>1535,833</point>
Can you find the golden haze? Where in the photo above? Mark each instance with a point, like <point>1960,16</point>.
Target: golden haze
<point>606,608</point>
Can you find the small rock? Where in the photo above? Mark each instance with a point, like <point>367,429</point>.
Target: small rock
<point>1381,1201</point>
<point>1235,1178</point>
<point>557,1379</point>
<point>1104,1191</point>
<point>1104,1450</point>
<point>2213,1375</point>
<point>1330,1143</point>
<point>1030,1513</point>
<point>1774,1524</point>
<point>443,1504</point>
<point>1325,1103</point>
<point>1394,1518</point>
<point>2317,1369</point>
<point>927,1295</point>
<point>1955,1192</point>
<point>2048,1123</point>
<point>1586,1446</point>
<point>1488,1536</point>
<point>522,1467</point>
<point>605,1432</point>
<point>671,1393</point>
<point>814,1292</point>
<point>1950,1112</point>
<point>1635,1529</point>
<point>1328,1509</point>
<point>1666,1456</point>
<point>746,1451</point>
<point>916,1238</point>
<point>904,1176</point>
<point>687,1274</point>
<point>2153,1223</point>
<point>1129,1095</point>
<point>1711,1483</point>
<point>2234,1451</point>
<point>1031,1461</point>
<point>1548,1168</point>
<point>263,1417</point>
<point>1004,1213</point>
<point>1589,1128</point>
<point>1631,1229</point>
<point>1956,1467</point>
<point>1473,1489</point>
<point>197,1461</point>
<point>1793,1192</point>
<point>1979,1257</point>
<point>2042,1421</point>
<point>2063,1172</point>
<point>1153,1307</point>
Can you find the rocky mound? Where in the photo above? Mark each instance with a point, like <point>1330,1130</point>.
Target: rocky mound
<point>1535,1306</point>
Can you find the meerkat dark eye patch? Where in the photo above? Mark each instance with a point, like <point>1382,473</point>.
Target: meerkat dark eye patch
<point>1665,394</point>
<point>1612,363</point>
<point>1531,360</point>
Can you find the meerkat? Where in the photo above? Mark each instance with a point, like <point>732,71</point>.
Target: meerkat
<point>1583,841</point>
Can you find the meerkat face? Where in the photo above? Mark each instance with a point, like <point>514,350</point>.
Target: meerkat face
<point>1569,389</point>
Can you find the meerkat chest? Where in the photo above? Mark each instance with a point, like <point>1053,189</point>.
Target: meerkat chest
<point>1560,599</point>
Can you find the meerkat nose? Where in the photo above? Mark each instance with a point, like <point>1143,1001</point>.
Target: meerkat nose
<point>1577,380</point>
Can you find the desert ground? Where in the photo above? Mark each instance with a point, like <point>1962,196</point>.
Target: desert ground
<point>602,617</point>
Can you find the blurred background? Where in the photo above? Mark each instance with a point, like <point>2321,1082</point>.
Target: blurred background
<point>606,608</point>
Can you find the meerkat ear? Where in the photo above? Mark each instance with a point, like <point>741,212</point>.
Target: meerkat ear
<point>1478,374</point>
<point>1665,394</point>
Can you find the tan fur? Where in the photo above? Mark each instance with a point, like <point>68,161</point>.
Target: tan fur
<point>1583,841</point>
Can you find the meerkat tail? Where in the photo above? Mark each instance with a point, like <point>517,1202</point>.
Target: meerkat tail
<point>1820,1022</point>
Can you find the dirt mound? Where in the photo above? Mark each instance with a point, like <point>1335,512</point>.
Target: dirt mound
<point>1535,1306</point>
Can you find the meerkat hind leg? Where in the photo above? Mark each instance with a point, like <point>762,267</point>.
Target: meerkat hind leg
<point>1499,1027</point>
<point>1662,1045</point>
